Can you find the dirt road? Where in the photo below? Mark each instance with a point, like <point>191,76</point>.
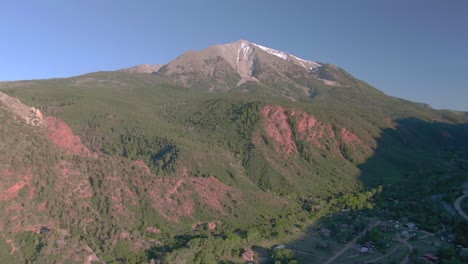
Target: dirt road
<point>457,205</point>
<point>351,243</point>
<point>384,256</point>
<point>409,246</point>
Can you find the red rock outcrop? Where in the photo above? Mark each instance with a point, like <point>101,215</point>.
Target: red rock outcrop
<point>174,197</point>
<point>286,127</point>
<point>279,129</point>
<point>62,135</point>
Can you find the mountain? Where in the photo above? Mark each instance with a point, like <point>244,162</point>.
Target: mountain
<point>234,146</point>
<point>228,66</point>
<point>247,67</point>
<point>143,68</point>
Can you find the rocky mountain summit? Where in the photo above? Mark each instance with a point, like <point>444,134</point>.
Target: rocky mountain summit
<point>143,68</point>
<point>228,66</point>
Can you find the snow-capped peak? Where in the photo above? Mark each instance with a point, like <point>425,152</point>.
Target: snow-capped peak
<point>244,51</point>
<point>277,53</point>
<point>309,65</point>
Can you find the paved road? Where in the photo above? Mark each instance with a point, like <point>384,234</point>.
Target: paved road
<point>351,243</point>
<point>457,205</point>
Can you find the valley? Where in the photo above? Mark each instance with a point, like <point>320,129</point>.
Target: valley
<point>221,156</point>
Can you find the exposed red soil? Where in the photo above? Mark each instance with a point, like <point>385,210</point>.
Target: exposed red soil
<point>171,201</point>
<point>277,124</point>
<point>278,128</point>
<point>174,197</point>
<point>32,191</point>
<point>11,243</point>
<point>315,132</point>
<point>42,207</point>
<point>16,216</point>
<point>62,135</point>
<point>121,196</point>
<point>142,165</point>
<point>390,123</point>
<point>10,190</point>
<point>349,137</point>
<point>74,185</point>
<point>353,142</point>
<point>212,192</point>
<point>208,225</point>
<point>305,122</point>
<point>72,180</point>
<point>153,230</point>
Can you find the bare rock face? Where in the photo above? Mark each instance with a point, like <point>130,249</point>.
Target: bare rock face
<point>227,66</point>
<point>58,131</point>
<point>314,134</point>
<point>143,68</point>
<point>31,115</point>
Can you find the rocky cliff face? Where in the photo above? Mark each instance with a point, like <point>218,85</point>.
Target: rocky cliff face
<point>297,133</point>
<point>29,114</point>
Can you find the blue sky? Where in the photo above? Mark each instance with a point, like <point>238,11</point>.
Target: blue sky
<point>413,49</point>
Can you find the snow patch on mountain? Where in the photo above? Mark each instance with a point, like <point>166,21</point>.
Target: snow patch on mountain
<point>309,65</point>
<point>245,62</point>
<point>244,51</point>
<point>277,53</point>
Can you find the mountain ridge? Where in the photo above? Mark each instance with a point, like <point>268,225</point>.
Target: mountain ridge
<point>239,62</point>
<point>143,68</point>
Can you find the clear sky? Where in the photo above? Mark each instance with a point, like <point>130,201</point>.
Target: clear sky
<point>413,49</point>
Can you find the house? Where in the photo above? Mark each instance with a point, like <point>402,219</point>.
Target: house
<point>323,244</point>
<point>364,250</point>
<point>326,232</point>
<point>279,247</point>
<point>248,256</point>
<point>410,225</point>
<point>44,230</point>
<point>429,258</point>
<point>405,233</point>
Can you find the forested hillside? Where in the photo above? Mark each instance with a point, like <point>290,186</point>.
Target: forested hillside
<point>125,167</point>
